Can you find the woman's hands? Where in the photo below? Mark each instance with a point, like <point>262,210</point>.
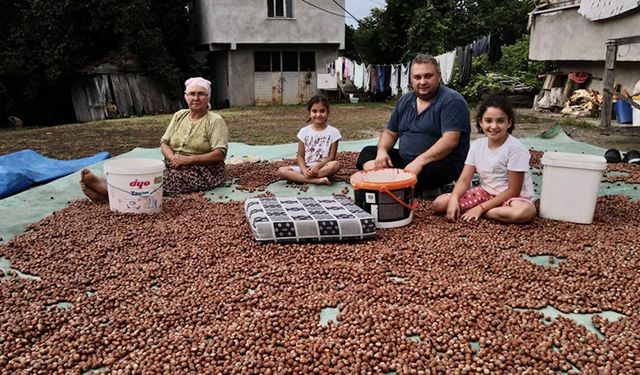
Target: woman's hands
<point>179,161</point>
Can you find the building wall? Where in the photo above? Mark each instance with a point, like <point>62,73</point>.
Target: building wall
<point>235,22</point>
<point>578,45</point>
<point>626,73</point>
<point>566,35</point>
<point>240,67</point>
<point>241,77</point>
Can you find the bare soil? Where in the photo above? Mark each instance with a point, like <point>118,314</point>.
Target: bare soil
<point>272,125</point>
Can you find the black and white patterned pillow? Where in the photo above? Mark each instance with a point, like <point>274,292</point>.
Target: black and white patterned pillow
<point>286,219</point>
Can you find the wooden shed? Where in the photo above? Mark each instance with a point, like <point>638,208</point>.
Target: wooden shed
<point>116,90</point>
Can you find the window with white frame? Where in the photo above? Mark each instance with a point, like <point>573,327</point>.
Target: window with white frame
<point>279,9</point>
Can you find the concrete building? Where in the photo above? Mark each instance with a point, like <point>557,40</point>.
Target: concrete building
<point>268,52</point>
<point>575,33</point>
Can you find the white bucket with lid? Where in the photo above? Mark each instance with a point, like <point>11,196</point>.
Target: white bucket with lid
<point>570,184</point>
<point>134,185</point>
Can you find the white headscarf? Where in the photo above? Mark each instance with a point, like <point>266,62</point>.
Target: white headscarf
<point>198,81</point>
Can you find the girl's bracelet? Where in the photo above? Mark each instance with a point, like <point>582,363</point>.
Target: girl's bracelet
<point>481,207</point>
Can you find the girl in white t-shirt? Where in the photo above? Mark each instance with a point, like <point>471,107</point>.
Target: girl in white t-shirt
<point>506,190</point>
<point>317,147</point>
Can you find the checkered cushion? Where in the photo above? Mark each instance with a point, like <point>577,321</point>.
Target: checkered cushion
<point>286,219</point>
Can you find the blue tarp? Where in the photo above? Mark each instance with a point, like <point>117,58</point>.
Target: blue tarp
<point>24,169</point>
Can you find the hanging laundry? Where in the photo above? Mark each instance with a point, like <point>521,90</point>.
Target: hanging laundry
<point>358,75</point>
<point>446,61</point>
<point>404,78</point>
<point>366,78</point>
<point>480,46</point>
<point>387,80</point>
<point>374,79</point>
<point>381,77</point>
<point>393,81</point>
<point>339,67</point>
<point>579,77</point>
<point>352,70</point>
<point>331,68</point>
<point>495,47</point>
<point>464,64</point>
<point>346,68</point>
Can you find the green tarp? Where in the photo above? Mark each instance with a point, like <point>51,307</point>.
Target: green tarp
<point>20,210</point>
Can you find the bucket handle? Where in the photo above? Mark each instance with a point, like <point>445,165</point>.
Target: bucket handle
<point>413,206</point>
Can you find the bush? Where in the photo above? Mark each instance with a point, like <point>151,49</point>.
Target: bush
<point>513,70</point>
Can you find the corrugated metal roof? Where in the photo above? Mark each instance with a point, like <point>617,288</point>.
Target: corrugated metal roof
<point>601,9</point>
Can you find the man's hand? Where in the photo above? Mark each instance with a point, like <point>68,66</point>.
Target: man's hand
<point>415,166</point>
<point>383,160</point>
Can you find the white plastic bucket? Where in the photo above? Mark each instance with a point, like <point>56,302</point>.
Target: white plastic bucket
<point>387,194</point>
<point>636,112</point>
<point>134,185</point>
<point>570,184</point>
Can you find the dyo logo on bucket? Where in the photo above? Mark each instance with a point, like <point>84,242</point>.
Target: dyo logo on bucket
<point>139,184</point>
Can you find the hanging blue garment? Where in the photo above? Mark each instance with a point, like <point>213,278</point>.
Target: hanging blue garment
<point>480,46</point>
<point>381,75</point>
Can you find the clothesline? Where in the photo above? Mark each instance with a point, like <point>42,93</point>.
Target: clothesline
<point>378,78</point>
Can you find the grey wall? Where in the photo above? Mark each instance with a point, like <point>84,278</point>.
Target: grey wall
<point>240,67</point>
<point>626,73</point>
<point>241,77</point>
<point>246,22</point>
<point>566,35</point>
<point>578,45</point>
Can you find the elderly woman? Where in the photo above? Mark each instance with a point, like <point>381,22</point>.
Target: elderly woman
<point>194,147</point>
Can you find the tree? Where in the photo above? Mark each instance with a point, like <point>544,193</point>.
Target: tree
<point>49,41</point>
<point>405,28</point>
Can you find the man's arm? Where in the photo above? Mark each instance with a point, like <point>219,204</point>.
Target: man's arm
<point>438,151</point>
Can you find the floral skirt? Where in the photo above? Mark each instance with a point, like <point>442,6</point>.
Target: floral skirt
<point>192,178</point>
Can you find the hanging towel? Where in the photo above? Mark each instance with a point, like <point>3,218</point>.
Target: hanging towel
<point>446,61</point>
<point>358,75</point>
<point>366,78</point>
<point>393,82</point>
<point>339,67</point>
<point>404,78</point>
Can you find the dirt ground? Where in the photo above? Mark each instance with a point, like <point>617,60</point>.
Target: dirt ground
<point>274,125</point>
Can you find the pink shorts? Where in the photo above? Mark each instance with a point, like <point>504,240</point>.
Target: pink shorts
<point>478,195</point>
